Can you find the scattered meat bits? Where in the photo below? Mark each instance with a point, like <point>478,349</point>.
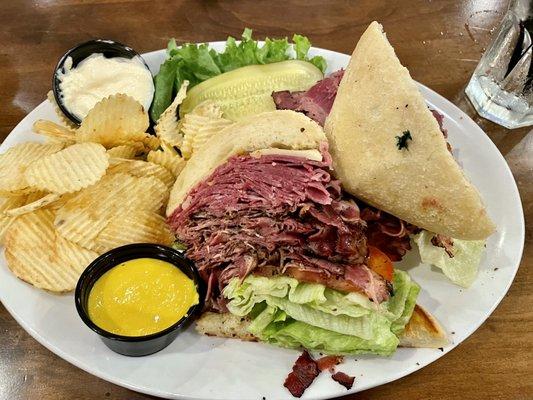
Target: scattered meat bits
<point>304,371</point>
<point>445,242</point>
<point>345,380</point>
<point>328,362</point>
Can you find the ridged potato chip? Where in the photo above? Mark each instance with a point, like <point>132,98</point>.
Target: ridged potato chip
<point>134,227</point>
<point>69,170</point>
<point>62,117</point>
<point>5,223</point>
<point>198,130</point>
<point>208,109</point>
<point>34,205</point>
<point>11,202</point>
<point>88,212</point>
<point>167,127</point>
<point>143,168</point>
<point>75,257</point>
<point>167,148</point>
<point>151,141</point>
<point>199,125</point>
<point>36,255</point>
<point>172,162</point>
<point>6,204</point>
<point>55,131</point>
<point>15,161</point>
<point>127,151</point>
<point>116,120</point>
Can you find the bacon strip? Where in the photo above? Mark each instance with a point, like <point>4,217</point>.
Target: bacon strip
<point>345,380</point>
<point>304,372</point>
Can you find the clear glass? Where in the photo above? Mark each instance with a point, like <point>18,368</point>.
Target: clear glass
<point>501,88</point>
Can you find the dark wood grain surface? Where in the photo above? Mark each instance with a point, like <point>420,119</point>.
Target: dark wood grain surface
<point>440,41</point>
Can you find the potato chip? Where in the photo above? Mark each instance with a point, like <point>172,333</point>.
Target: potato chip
<point>209,109</point>
<point>167,127</point>
<point>35,254</point>
<point>127,151</point>
<point>151,141</point>
<point>199,125</point>
<point>88,212</point>
<point>69,170</point>
<point>56,205</point>
<point>6,204</point>
<point>196,136</point>
<point>5,223</point>
<point>134,227</point>
<point>33,205</point>
<point>11,202</point>
<point>74,256</point>
<point>52,130</point>
<point>62,117</point>
<point>167,148</point>
<point>143,168</point>
<point>15,161</point>
<point>34,196</point>
<point>116,120</point>
<point>173,162</point>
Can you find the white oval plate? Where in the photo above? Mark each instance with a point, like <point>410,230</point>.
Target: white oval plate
<point>200,367</point>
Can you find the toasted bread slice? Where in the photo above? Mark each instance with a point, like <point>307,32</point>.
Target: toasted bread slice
<point>224,325</point>
<point>388,150</point>
<point>423,330</point>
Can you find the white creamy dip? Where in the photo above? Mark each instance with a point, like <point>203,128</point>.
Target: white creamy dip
<point>97,77</point>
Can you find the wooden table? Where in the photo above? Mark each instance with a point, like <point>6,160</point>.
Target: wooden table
<point>440,41</point>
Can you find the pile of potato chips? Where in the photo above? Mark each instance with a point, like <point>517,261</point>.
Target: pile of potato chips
<point>83,192</point>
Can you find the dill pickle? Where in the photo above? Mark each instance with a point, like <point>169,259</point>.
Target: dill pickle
<point>247,90</point>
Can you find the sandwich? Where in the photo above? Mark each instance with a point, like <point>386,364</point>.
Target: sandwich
<point>294,217</point>
<point>282,248</point>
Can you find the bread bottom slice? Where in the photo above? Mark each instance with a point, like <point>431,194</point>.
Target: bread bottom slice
<point>422,330</point>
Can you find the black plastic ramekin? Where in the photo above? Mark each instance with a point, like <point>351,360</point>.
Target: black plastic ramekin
<point>137,345</point>
<point>109,48</point>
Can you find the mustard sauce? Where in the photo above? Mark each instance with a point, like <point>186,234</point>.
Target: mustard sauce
<point>140,297</point>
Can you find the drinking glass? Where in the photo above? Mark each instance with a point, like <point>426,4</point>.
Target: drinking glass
<point>501,88</point>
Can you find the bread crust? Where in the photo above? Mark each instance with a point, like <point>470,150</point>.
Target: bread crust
<point>422,330</point>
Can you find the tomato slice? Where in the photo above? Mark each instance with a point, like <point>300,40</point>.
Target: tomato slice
<point>380,263</point>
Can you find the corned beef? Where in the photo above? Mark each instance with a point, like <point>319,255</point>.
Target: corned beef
<point>316,102</point>
<point>278,212</point>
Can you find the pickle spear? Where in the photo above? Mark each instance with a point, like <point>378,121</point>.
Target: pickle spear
<point>247,90</point>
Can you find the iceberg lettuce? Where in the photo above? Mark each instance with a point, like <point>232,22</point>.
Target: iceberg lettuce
<point>289,313</point>
<point>462,268</point>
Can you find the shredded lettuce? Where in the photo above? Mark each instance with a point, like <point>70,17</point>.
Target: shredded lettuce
<point>462,268</point>
<point>289,313</point>
<point>198,62</point>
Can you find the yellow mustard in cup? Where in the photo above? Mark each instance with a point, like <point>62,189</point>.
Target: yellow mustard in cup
<point>140,297</point>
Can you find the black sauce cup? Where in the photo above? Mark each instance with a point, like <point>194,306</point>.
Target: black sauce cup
<point>136,346</point>
<point>109,48</point>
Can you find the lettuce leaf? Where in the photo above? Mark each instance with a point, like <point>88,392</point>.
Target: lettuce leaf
<point>289,313</point>
<point>198,62</point>
<point>462,268</point>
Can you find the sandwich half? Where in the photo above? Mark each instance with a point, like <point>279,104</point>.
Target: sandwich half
<point>389,151</point>
<point>282,248</point>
